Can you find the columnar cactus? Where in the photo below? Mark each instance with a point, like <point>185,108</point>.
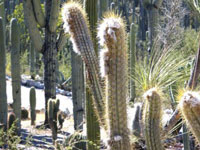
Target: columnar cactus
<point>93,128</point>
<point>151,119</point>
<point>190,109</point>
<point>49,45</point>
<point>3,96</point>
<point>132,60</point>
<point>75,22</point>
<point>15,69</point>
<point>114,68</point>
<point>32,105</point>
<point>152,7</point>
<point>53,108</point>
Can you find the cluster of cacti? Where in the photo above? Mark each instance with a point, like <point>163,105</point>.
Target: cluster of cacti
<point>113,35</point>
<point>15,69</point>
<point>53,108</point>
<point>151,119</point>
<point>32,105</point>
<point>189,106</point>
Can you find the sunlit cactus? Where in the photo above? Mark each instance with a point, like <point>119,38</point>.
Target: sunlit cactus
<point>114,61</point>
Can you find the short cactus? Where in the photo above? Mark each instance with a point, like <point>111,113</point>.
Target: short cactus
<point>190,109</point>
<point>53,108</point>
<point>33,105</point>
<point>11,119</point>
<point>114,68</point>
<point>24,113</point>
<point>151,119</point>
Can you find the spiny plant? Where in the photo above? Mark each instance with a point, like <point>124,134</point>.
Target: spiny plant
<point>190,109</point>
<point>114,61</point>
<point>76,23</point>
<point>33,105</point>
<point>53,108</point>
<point>151,119</point>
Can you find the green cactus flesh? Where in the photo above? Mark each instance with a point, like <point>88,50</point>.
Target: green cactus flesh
<point>33,105</point>
<point>15,69</point>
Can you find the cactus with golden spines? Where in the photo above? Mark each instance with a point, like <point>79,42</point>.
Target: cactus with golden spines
<point>190,109</point>
<point>114,61</point>
<point>76,23</point>
<point>151,119</point>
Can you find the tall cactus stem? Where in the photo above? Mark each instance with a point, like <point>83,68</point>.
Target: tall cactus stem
<point>190,110</point>
<point>55,6</point>
<point>132,61</point>
<point>76,23</point>
<point>114,62</point>
<point>151,119</point>
<point>3,96</point>
<point>15,69</point>
<point>32,60</point>
<point>33,105</point>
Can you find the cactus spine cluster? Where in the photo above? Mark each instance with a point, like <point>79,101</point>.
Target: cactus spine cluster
<point>53,108</point>
<point>114,59</point>
<point>15,69</point>
<point>3,96</point>
<point>75,22</point>
<point>190,110</point>
<point>33,105</point>
<point>151,119</point>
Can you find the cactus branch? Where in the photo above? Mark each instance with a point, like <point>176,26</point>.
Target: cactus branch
<point>55,6</point>
<point>39,15</point>
<point>32,25</point>
<point>62,40</point>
